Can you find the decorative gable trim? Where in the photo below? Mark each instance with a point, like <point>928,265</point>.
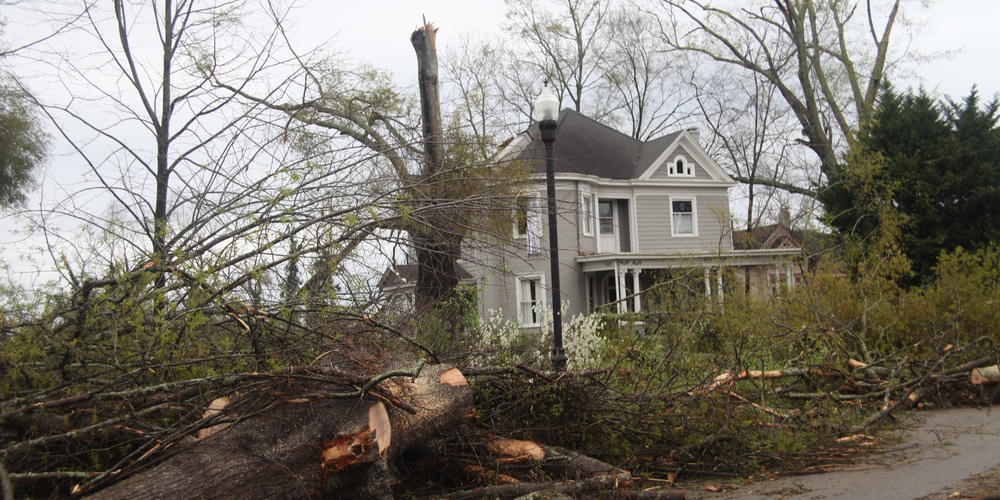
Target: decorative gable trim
<point>699,157</point>
<point>780,238</point>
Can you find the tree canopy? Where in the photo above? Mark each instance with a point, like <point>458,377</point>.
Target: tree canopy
<point>942,160</point>
<point>23,143</point>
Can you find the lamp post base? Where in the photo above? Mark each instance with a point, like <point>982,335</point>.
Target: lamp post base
<point>558,358</point>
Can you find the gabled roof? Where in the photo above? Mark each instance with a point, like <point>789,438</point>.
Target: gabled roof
<point>588,147</point>
<point>652,149</point>
<point>585,146</point>
<point>765,237</point>
<point>779,235</point>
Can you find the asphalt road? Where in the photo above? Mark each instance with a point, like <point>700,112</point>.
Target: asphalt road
<point>951,453</point>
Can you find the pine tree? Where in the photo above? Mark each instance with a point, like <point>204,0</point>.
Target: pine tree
<point>292,283</point>
<point>943,161</point>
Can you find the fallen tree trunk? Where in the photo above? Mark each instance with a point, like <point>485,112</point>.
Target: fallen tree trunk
<point>308,448</point>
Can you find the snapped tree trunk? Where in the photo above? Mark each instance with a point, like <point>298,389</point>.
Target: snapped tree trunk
<point>308,448</point>
<point>436,244</point>
<point>437,275</point>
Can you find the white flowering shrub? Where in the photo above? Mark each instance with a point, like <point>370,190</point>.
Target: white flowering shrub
<point>496,338</point>
<point>583,341</point>
<point>497,331</point>
<point>500,340</point>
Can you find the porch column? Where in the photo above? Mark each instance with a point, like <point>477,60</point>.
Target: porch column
<point>708,284</point>
<point>789,279</point>
<point>618,288</point>
<point>635,289</point>
<point>619,275</point>
<point>718,277</point>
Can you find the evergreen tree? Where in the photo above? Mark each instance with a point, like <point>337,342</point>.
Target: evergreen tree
<point>943,163</point>
<point>292,281</point>
<point>22,144</point>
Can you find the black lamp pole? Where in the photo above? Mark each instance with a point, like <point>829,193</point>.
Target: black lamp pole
<point>548,130</point>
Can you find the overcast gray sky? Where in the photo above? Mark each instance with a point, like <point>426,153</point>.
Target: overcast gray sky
<point>377,31</point>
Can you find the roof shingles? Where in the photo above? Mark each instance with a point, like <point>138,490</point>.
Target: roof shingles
<point>585,146</point>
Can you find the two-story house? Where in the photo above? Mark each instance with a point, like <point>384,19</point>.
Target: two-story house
<point>626,208</point>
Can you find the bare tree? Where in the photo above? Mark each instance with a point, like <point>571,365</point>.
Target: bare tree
<point>566,44</point>
<point>807,50</point>
<point>199,182</point>
<point>749,132</point>
<point>644,77</point>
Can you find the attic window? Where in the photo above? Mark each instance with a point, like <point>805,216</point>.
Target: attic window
<point>680,167</point>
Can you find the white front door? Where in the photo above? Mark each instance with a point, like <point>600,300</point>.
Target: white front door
<point>607,226</point>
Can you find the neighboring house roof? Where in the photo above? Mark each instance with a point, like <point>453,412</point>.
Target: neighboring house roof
<point>588,147</point>
<point>405,275</point>
<point>779,235</point>
<point>765,237</point>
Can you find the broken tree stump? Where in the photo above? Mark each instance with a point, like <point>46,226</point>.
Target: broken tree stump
<point>309,447</point>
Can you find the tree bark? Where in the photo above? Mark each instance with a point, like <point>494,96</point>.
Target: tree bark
<point>308,448</point>
<point>437,275</point>
<point>437,247</point>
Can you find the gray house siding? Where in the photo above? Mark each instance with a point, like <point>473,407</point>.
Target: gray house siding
<point>653,223</point>
<point>500,263</point>
<point>502,267</point>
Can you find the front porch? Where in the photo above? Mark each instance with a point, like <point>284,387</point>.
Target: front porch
<point>619,282</point>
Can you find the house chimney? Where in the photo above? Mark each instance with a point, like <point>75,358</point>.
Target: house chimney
<point>785,217</point>
<point>693,131</point>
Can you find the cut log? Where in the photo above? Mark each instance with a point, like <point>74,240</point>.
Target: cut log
<point>517,449</point>
<point>319,448</point>
<point>985,375</point>
<point>214,408</point>
<point>565,463</point>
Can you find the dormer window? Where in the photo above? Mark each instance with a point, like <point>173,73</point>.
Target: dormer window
<point>680,167</point>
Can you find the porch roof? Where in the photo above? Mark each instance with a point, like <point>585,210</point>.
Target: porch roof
<point>758,257</point>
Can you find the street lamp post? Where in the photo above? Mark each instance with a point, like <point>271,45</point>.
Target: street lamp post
<point>546,112</point>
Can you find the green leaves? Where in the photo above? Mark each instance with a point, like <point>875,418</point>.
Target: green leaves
<point>23,143</point>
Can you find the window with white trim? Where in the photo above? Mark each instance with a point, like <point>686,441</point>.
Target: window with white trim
<point>587,214</point>
<point>528,222</point>
<point>606,216</point>
<point>679,166</point>
<point>530,301</point>
<point>521,205</point>
<point>682,217</point>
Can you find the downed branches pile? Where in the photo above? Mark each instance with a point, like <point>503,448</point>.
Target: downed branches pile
<point>666,424</point>
<point>906,382</point>
<point>138,390</point>
<point>367,424</point>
